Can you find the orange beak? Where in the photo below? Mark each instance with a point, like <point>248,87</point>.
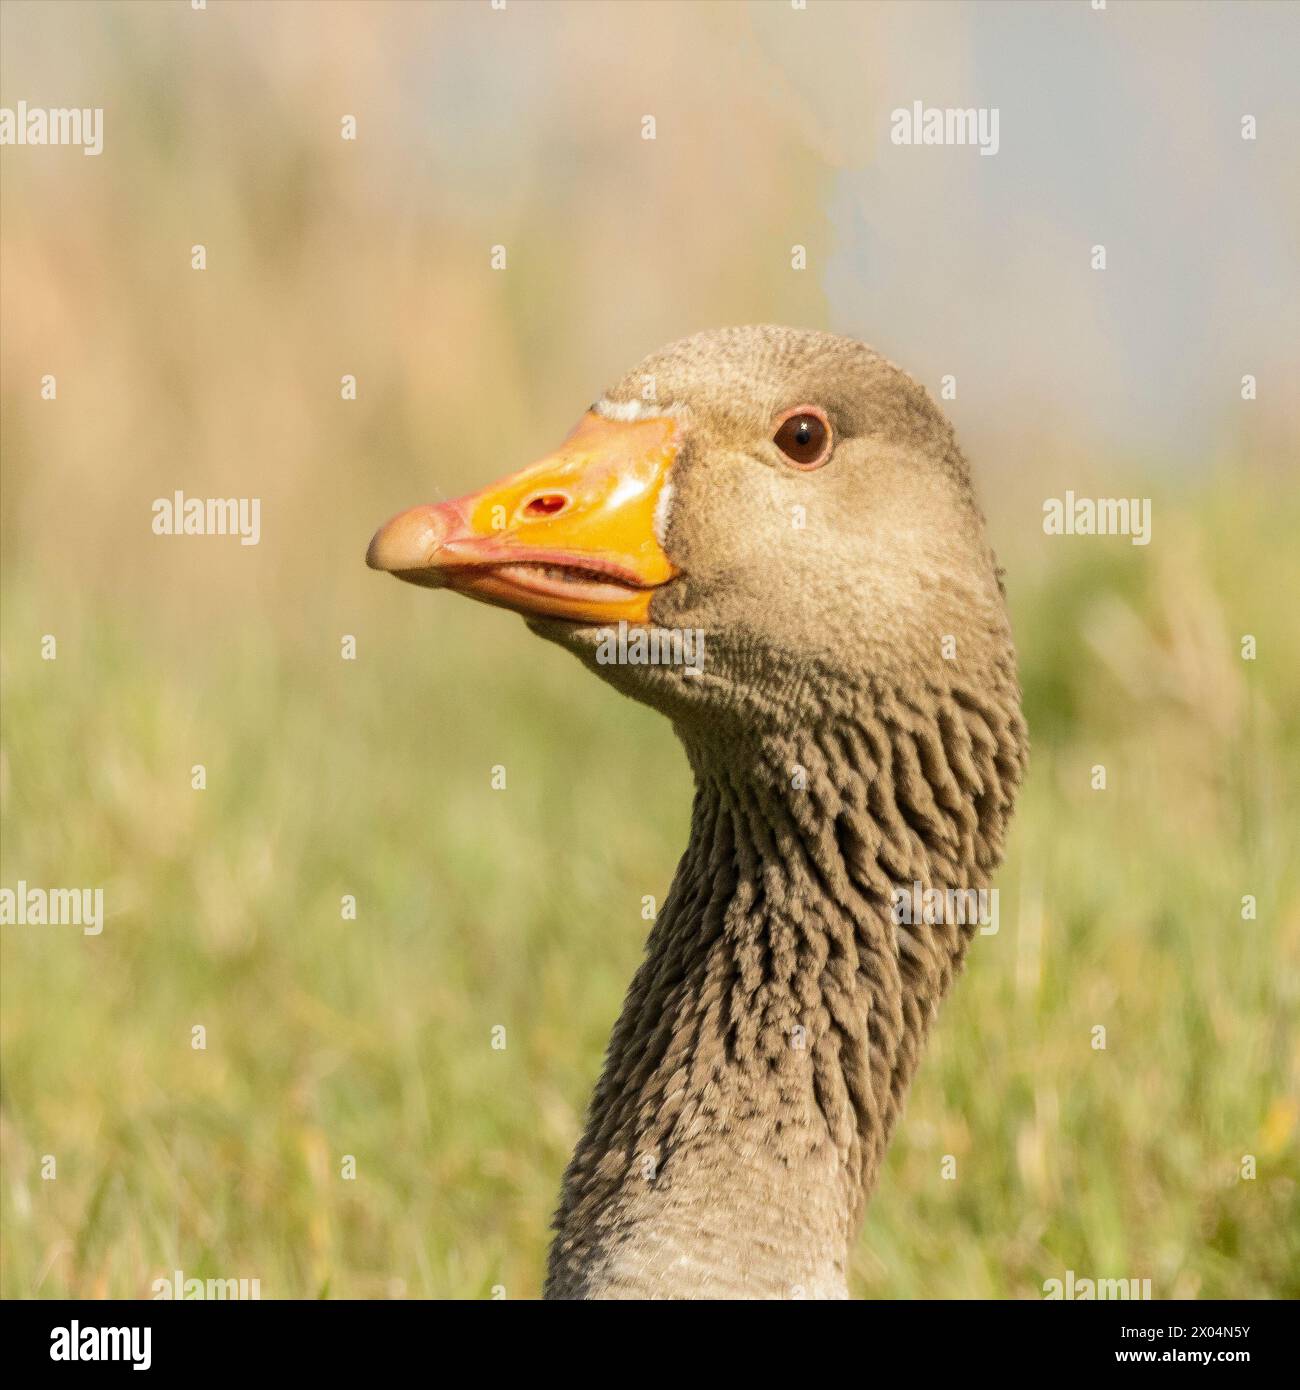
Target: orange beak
<point>571,537</point>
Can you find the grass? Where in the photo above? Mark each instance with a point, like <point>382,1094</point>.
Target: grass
<point>521,908</point>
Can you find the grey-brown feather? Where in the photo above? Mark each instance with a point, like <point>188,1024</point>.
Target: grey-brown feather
<point>768,1039</point>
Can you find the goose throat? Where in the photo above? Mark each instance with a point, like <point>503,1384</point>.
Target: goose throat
<point>767,1041</point>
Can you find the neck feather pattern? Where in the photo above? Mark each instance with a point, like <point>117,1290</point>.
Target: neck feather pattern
<point>768,1039</point>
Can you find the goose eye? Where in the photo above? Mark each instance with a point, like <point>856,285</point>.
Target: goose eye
<point>804,436</point>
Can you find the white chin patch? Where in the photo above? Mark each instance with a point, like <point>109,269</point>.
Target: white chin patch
<point>663,509</point>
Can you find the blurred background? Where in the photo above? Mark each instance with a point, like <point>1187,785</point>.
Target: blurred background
<point>326,777</point>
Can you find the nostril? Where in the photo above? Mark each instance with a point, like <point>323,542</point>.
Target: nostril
<point>545,504</point>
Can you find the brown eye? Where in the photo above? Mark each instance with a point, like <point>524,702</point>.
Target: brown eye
<point>804,436</point>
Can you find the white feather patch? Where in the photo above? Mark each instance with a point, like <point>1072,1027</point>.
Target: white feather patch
<point>662,509</point>
<point>634,409</point>
<point>624,410</point>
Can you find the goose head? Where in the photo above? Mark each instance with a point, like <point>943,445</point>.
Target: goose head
<point>799,508</point>
<point>784,512</point>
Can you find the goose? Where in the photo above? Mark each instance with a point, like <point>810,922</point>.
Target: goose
<point>855,733</point>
